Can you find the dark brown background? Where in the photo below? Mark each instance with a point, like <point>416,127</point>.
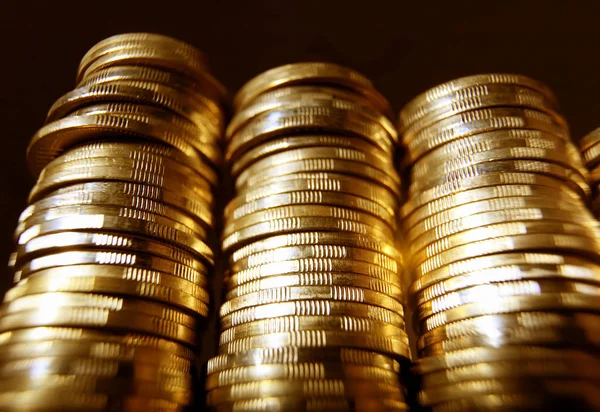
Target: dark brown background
<point>404,47</point>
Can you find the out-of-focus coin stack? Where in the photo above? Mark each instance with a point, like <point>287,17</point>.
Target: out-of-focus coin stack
<point>312,318</point>
<point>590,151</point>
<point>503,250</point>
<point>113,256</point>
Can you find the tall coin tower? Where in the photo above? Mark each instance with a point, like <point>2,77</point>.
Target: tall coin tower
<point>113,252</point>
<point>313,317</point>
<point>502,247</point>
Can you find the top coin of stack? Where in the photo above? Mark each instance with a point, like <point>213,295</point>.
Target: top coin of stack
<point>312,318</point>
<point>113,255</point>
<point>502,247</point>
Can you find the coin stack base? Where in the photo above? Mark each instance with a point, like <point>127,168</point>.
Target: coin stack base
<point>114,252</point>
<point>313,316</point>
<point>502,248</point>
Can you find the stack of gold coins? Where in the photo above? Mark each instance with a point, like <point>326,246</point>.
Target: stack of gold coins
<point>113,257</point>
<point>312,318</point>
<point>503,251</point>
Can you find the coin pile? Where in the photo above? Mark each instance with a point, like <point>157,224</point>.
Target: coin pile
<point>504,253</point>
<point>590,151</point>
<point>113,256</point>
<point>312,318</point>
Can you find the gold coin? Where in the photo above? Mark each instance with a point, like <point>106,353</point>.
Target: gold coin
<point>468,389</point>
<point>479,121</point>
<point>298,266</point>
<point>314,307</point>
<point>479,355</point>
<point>55,205</point>
<point>93,310</point>
<point>109,387</point>
<point>309,119</point>
<point>492,291</point>
<point>155,172</point>
<point>556,171</point>
<point>566,301</point>
<point>62,399</point>
<point>424,219</point>
<point>311,74</point>
<point>208,122</point>
<point>329,184</point>
<point>88,300</point>
<point>97,337</point>
<point>589,139</point>
<point>326,182</point>
<point>307,323</point>
<point>133,40</point>
<point>511,400</point>
<point>149,198</point>
<point>464,267</point>
<point>563,369</point>
<point>129,262</point>
<point>299,211</point>
<point>308,371</point>
<point>499,324</point>
<point>475,97</point>
<point>492,179</point>
<point>484,230</point>
<point>313,403</point>
<point>296,95</point>
<point>236,289</point>
<point>314,251</point>
<point>421,236</point>
<point>303,224</point>
<point>311,197</point>
<point>588,273</point>
<point>201,90</point>
<point>469,85</point>
<point>321,387</point>
<point>299,293</point>
<point>567,336</point>
<point>100,368</point>
<point>42,282</point>
<point>442,166</point>
<point>344,167</point>
<point>123,353</point>
<point>293,354</point>
<point>527,100</point>
<point>52,139</point>
<point>412,212</point>
<point>317,238</point>
<point>285,143</point>
<point>158,154</point>
<point>582,246</point>
<point>134,221</point>
<point>504,139</point>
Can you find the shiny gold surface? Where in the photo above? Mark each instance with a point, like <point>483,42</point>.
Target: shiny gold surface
<point>114,252</point>
<point>503,252</point>
<point>313,314</point>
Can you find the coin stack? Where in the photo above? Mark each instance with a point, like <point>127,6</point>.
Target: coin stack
<point>503,251</point>
<point>590,151</point>
<point>113,256</point>
<point>312,318</point>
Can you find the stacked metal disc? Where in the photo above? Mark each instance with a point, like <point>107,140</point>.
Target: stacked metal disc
<point>503,250</point>
<point>590,151</point>
<point>312,318</point>
<point>112,260</point>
